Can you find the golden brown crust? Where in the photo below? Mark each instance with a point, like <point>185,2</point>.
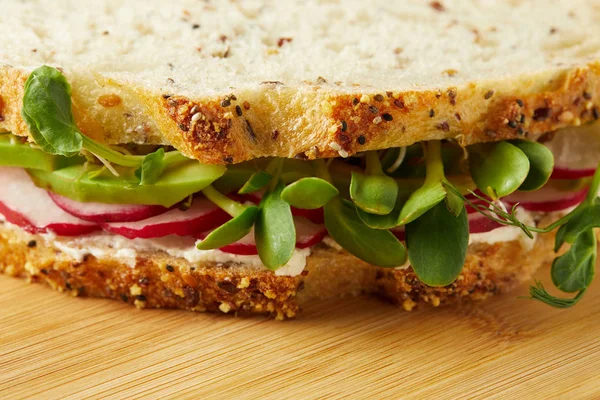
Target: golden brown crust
<point>166,282</point>
<point>313,121</point>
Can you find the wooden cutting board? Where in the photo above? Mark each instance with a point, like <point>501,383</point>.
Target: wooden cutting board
<point>53,346</point>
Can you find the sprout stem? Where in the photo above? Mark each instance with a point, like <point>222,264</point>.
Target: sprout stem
<point>231,207</point>
<point>373,164</point>
<point>433,161</point>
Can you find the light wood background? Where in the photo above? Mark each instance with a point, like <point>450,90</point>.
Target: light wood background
<point>55,346</point>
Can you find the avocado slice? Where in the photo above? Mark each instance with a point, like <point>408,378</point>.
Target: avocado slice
<point>16,152</point>
<point>93,185</point>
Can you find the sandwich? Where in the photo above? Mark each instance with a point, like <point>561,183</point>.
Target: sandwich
<point>249,157</point>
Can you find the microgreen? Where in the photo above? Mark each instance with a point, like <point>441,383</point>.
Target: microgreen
<point>373,192</point>
<point>574,270</point>
<point>541,164</point>
<point>47,111</point>
<point>231,231</point>
<point>234,229</point>
<point>257,181</point>
<point>432,192</point>
<point>498,169</point>
<point>375,246</point>
<point>437,245</point>
<point>274,232</point>
<point>309,193</point>
<point>152,167</point>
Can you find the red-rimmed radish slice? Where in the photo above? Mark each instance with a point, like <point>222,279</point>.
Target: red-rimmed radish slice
<point>307,234</point>
<point>24,204</point>
<point>546,199</point>
<point>399,232</point>
<point>316,216</point>
<point>479,223</point>
<point>565,173</point>
<point>201,216</point>
<point>576,151</point>
<point>101,213</point>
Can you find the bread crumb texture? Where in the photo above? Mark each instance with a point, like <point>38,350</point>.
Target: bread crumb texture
<point>227,81</point>
<point>161,281</point>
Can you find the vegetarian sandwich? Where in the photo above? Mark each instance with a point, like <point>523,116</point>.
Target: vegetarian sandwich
<point>249,156</point>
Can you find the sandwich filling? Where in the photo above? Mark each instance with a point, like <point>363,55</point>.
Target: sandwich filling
<point>420,205</point>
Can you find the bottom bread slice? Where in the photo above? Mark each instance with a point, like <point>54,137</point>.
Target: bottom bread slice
<point>161,281</point>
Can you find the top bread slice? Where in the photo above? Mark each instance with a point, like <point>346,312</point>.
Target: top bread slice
<point>227,81</point>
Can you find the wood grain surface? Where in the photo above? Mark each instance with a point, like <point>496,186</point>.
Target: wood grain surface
<point>53,346</point>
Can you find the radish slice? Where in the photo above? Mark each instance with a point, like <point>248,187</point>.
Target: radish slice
<point>246,246</point>
<point>307,234</point>
<point>576,151</point>
<point>101,213</point>
<point>399,232</point>
<point>202,215</point>
<point>24,204</point>
<point>546,199</point>
<point>479,223</point>
<point>315,215</point>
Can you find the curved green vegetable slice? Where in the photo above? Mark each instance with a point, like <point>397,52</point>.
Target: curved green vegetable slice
<point>437,245</point>
<point>231,231</point>
<point>309,193</point>
<point>174,185</point>
<point>541,164</point>
<point>15,152</point>
<point>377,247</point>
<point>498,169</point>
<point>274,233</point>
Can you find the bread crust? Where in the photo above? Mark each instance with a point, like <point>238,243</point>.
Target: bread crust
<point>161,281</point>
<point>318,120</point>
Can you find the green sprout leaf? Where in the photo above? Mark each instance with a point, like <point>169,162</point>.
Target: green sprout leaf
<point>421,201</point>
<point>454,201</point>
<point>152,167</point>
<point>541,164</point>
<point>47,112</point>
<point>574,270</point>
<point>498,169</point>
<point>437,245</point>
<point>583,219</point>
<point>257,181</point>
<point>432,192</point>
<point>309,193</point>
<point>274,233</point>
<point>377,247</point>
<point>387,221</point>
<point>373,192</point>
<point>231,231</point>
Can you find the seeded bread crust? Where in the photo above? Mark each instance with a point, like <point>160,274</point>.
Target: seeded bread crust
<point>160,281</point>
<point>317,120</point>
